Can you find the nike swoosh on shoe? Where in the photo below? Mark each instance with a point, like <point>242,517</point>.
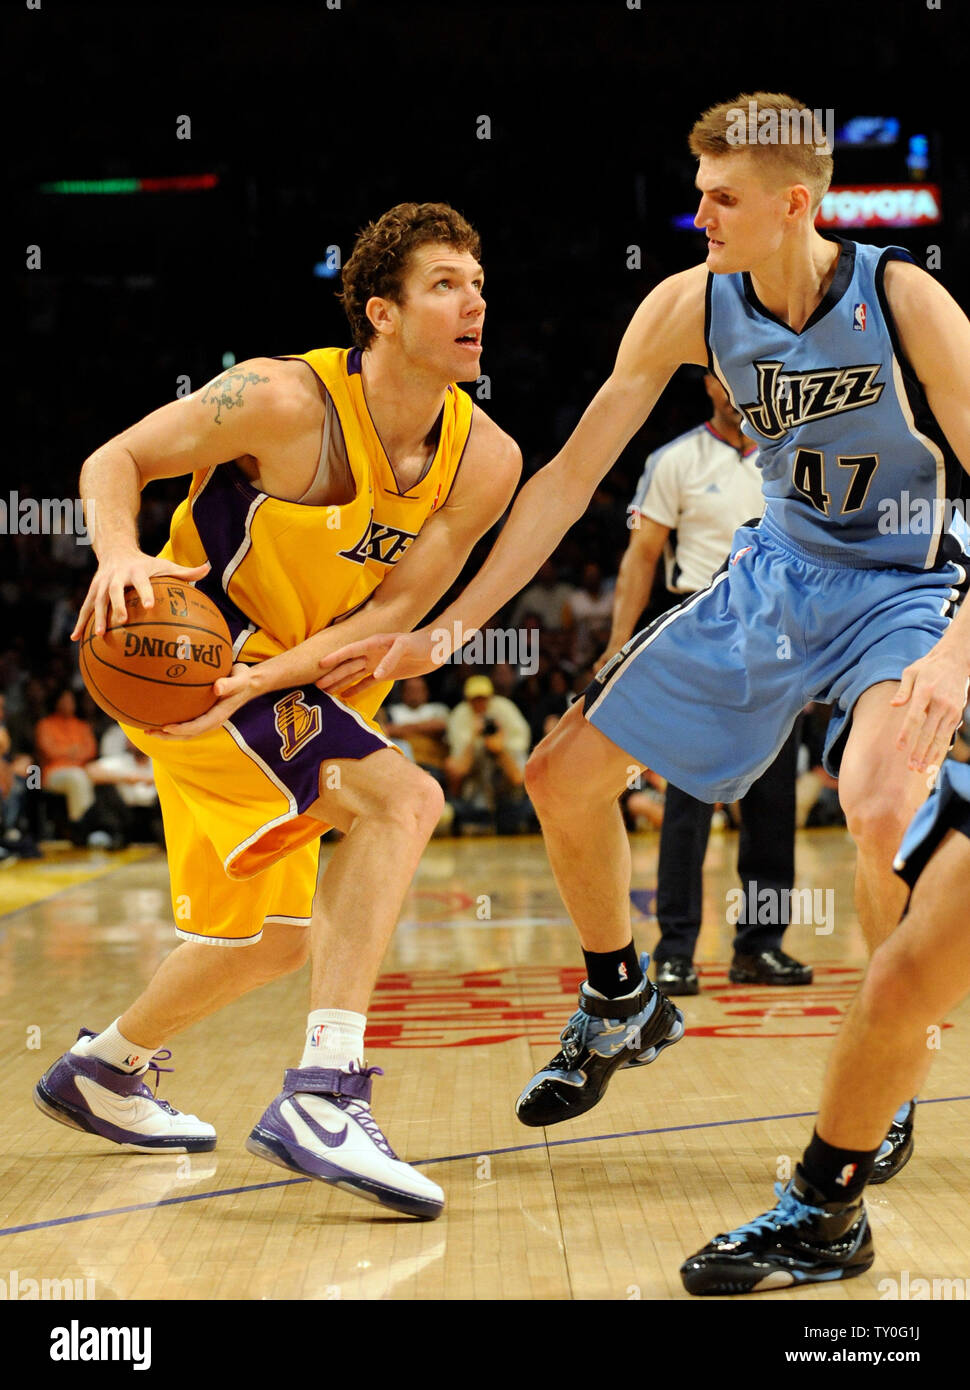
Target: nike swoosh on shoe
<point>331,1138</point>
<point>107,1106</point>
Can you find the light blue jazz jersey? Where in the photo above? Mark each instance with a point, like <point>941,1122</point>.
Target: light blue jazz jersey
<point>830,594</point>
<point>850,453</point>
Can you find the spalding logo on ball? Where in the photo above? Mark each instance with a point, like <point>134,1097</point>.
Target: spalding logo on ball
<point>159,666</point>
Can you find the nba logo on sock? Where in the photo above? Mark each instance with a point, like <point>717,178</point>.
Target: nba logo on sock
<point>859,318</point>
<point>622,970</point>
<point>316,1035</point>
<point>845,1177</point>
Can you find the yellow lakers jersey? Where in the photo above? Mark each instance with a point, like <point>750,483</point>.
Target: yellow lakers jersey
<point>282,571</point>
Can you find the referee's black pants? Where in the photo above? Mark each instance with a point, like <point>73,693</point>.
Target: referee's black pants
<point>766,860</point>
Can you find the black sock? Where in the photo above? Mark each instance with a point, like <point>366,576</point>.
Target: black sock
<point>613,973</point>
<point>839,1174</point>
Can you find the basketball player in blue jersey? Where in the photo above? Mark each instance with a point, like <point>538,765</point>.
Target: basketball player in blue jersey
<point>346,486</point>
<point>848,364</point>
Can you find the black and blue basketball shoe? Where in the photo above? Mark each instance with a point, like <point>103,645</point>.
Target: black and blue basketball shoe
<point>897,1147</point>
<point>802,1240</point>
<point>603,1036</point>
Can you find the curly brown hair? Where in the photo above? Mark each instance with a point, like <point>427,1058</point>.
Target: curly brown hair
<point>378,262</point>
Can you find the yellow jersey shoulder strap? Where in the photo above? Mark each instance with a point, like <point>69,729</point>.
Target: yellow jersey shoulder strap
<point>339,371</point>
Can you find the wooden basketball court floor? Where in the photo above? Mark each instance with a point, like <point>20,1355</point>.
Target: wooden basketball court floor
<point>481,976</point>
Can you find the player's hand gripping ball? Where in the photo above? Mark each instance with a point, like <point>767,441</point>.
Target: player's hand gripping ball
<point>159,666</point>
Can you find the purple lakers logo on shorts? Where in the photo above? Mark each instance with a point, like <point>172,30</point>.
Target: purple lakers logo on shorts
<point>296,723</point>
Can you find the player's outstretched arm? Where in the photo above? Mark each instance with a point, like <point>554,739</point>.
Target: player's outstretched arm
<point>935,336</point>
<point>666,330</point>
<point>240,412</point>
<point>481,492</point>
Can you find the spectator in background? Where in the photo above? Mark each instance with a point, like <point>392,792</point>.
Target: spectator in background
<point>114,740</point>
<point>14,768</point>
<point>506,681</point>
<point>553,704</point>
<point>488,742</point>
<point>124,790</point>
<point>418,727</point>
<point>420,723</point>
<point>588,615</point>
<point>64,613</point>
<point>817,792</point>
<point>13,679</point>
<point>32,705</point>
<point>65,745</point>
<point>545,599</point>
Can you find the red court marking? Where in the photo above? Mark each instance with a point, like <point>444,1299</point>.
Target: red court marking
<point>443,903</point>
<point>476,1008</point>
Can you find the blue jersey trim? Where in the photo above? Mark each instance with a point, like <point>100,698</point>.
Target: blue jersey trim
<point>956,481</point>
<point>838,285</point>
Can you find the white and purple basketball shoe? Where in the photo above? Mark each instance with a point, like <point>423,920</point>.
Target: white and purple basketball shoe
<point>320,1125</point>
<point>85,1093</point>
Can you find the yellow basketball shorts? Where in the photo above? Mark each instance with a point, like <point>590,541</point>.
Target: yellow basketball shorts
<point>242,851</point>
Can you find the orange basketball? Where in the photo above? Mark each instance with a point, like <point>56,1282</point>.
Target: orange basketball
<point>159,666</point>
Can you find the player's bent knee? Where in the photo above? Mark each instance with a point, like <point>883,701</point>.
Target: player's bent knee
<point>877,822</point>
<point>536,774</point>
<point>547,778</point>
<point>416,804</point>
<point>566,775</point>
<point>550,772</point>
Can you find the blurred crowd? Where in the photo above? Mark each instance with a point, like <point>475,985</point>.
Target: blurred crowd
<point>68,772</point>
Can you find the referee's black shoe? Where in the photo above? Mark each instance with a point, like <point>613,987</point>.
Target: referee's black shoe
<point>677,975</point>
<point>802,1240</point>
<point>769,968</point>
<point>897,1149</point>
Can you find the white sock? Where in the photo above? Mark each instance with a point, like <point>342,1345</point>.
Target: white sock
<point>113,1047</point>
<point>334,1039</point>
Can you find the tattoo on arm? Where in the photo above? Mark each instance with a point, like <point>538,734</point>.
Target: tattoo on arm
<point>227,390</point>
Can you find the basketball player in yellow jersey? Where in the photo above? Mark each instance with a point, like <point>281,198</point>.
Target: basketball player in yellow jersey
<point>358,483</point>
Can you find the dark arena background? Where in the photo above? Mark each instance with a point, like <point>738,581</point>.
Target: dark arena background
<point>183,183</point>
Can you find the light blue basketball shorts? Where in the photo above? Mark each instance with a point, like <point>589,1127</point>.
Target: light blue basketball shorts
<point>707,694</point>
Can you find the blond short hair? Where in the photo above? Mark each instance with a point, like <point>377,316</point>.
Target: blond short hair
<point>798,153</point>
